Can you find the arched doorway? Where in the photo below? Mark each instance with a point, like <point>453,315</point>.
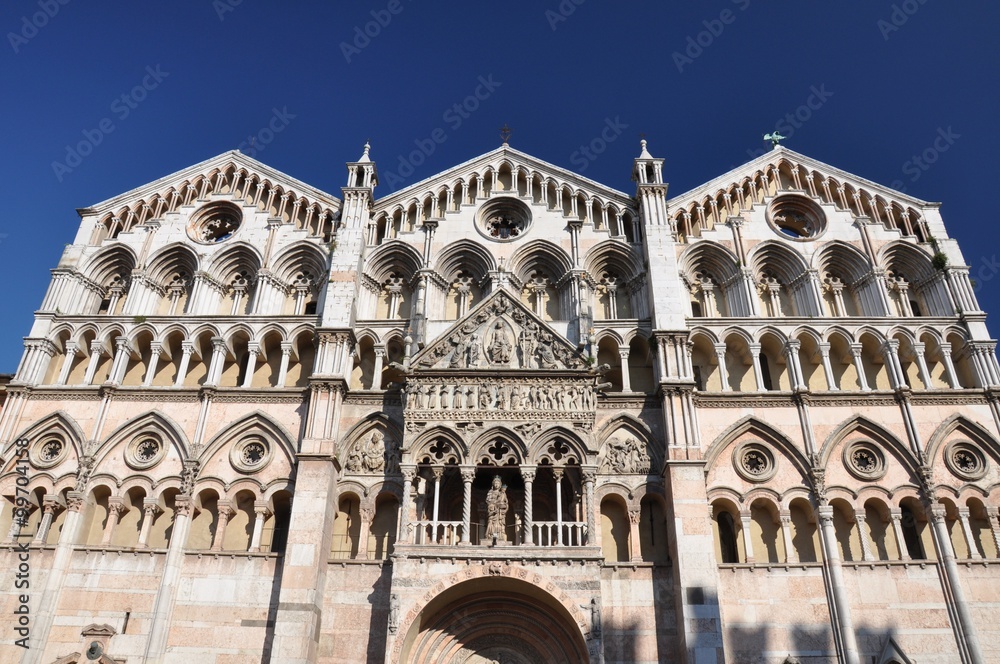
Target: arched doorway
<point>494,619</point>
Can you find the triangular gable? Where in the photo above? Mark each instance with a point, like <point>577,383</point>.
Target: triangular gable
<point>500,334</point>
<point>493,159</point>
<point>738,175</point>
<point>219,162</point>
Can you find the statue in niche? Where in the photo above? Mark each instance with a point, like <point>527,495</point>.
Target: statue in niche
<point>485,398</point>
<point>496,512</point>
<point>458,357</point>
<point>370,456</point>
<point>500,345</point>
<point>474,351</point>
<point>626,457</point>
<point>546,356</point>
<point>456,399</point>
<point>432,397</point>
<point>528,342</point>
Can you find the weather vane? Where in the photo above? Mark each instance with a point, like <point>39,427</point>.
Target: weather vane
<point>775,139</point>
<point>505,133</point>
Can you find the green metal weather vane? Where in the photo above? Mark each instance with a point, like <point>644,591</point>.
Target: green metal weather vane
<point>775,139</point>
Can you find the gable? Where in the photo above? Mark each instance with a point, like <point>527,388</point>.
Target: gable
<point>500,335</point>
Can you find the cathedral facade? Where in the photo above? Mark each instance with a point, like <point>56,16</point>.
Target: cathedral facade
<point>506,414</point>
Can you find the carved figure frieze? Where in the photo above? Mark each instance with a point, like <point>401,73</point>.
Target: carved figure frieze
<point>626,456</point>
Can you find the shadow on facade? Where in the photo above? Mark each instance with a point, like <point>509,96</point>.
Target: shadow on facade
<point>272,609</point>
<point>809,644</point>
<point>379,601</point>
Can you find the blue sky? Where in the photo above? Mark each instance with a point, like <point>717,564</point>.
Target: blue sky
<point>153,88</point>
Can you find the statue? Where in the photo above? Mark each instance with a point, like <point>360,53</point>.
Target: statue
<point>546,356</point>
<point>627,456</point>
<point>528,343</point>
<point>393,613</point>
<point>496,512</point>
<point>474,348</point>
<point>500,346</point>
<point>374,454</point>
<point>458,357</point>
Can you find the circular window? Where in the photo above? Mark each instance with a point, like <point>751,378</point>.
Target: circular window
<point>144,452</point>
<point>47,452</point>
<point>504,219</point>
<point>965,460</point>
<point>216,222</point>
<point>864,460</point>
<point>250,454</point>
<point>754,462</point>
<point>796,217</point>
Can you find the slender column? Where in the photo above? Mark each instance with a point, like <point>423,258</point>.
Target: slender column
<point>95,355</point>
<point>48,507</point>
<point>757,372</point>
<point>18,521</point>
<point>745,522</point>
<point>890,355</point>
<point>925,375</point>
<point>859,366</point>
<point>115,508</point>
<point>468,475</point>
<point>824,352</point>
<point>866,547</point>
<point>150,508</point>
<point>528,475</point>
<point>366,514</point>
<point>225,512</point>
<point>286,353</point>
<point>949,367</point>
<point>67,362</point>
<point>842,607</point>
<point>377,371</point>
<point>218,358</point>
<point>121,360</point>
<point>970,539</point>
<point>720,353</point>
<point>262,511</point>
<point>961,606</point>
<point>897,528</point>
<point>626,377</point>
<point>558,474</point>
<point>155,348</point>
<point>408,472</point>
<point>253,351</point>
<point>635,548</point>
<point>157,645</point>
<point>791,556</point>
<point>794,365</point>
<point>994,519</point>
<point>438,472</point>
<point>589,477</point>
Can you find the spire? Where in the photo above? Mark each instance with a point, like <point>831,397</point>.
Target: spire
<point>365,158</point>
<point>645,153</point>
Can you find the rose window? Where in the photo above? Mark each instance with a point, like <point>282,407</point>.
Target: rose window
<point>253,453</point>
<point>754,461</point>
<point>216,222</point>
<point>965,460</point>
<point>504,219</point>
<point>864,460</point>
<point>51,449</point>
<point>250,455</point>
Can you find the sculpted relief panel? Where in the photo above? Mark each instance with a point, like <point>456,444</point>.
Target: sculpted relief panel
<point>626,455</point>
<point>374,454</point>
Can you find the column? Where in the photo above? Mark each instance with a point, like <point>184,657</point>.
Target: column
<point>589,477</point>
<point>890,355</point>
<point>67,362</point>
<point>286,353</point>
<point>95,355</point>
<point>408,473</point>
<point>377,371</point>
<point>218,358</point>
<point>120,364</point>
<point>49,506</point>
<point>366,514</point>
<point>946,554</point>
<point>438,472</point>
<point>925,375</point>
<point>150,508</point>
<point>634,545</point>
<point>720,353</point>
<point>859,366</point>
<point>226,510</point>
<point>842,607</point>
<point>253,352</point>
<point>745,522</point>
<point>262,511</point>
<point>155,348</point>
<point>757,373</point>
<point>863,535</point>
<point>187,347</point>
<point>791,556</point>
<point>115,508</point>
<point>558,474</point>
<point>994,526</point>
<point>896,515</point>
<point>468,475</point>
<point>970,539</point>
<point>949,367</point>
<point>824,352</point>
<point>18,521</point>
<point>626,378</point>
<point>794,364</point>
<point>528,475</point>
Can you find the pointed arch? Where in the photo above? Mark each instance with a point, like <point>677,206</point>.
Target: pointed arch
<point>465,256</point>
<point>973,430</point>
<point>861,425</point>
<point>479,448</point>
<point>392,257</point>
<point>153,421</point>
<point>256,422</point>
<point>373,422</point>
<point>59,422</point>
<point>752,425</point>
